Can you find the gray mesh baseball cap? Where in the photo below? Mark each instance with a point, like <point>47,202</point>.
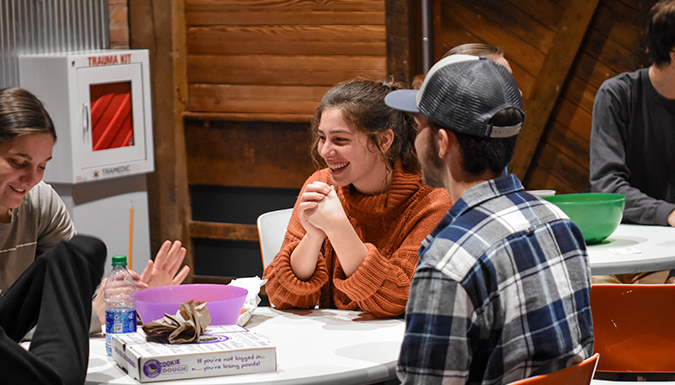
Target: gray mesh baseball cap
<point>462,93</point>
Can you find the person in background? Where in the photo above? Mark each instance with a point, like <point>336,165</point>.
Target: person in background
<point>632,136</point>
<point>493,53</point>
<point>54,295</point>
<point>496,54</point>
<point>353,236</point>
<point>502,289</point>
<point>33,218</point>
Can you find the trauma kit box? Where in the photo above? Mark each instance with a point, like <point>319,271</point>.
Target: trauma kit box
<point>221,350</point>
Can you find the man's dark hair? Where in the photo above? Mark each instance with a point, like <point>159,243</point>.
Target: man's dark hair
<point>480,154</point>
<point>661,32</point>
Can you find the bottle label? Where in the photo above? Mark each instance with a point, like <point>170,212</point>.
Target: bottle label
<point>120,320</point>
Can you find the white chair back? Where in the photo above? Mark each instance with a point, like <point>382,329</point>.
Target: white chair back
<point>271,231</point>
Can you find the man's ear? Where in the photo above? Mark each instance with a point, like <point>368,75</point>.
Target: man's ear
<point>443,141</point>
<point>386,139</point>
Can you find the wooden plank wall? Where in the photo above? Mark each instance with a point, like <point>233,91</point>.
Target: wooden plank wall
<point>274,60</point>
<point>526,29</point>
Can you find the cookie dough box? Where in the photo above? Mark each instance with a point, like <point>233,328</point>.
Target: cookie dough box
<point>222,350</point>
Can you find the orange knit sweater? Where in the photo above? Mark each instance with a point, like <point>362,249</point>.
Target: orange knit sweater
<point>392,225</point>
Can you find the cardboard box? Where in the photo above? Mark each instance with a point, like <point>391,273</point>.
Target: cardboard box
<point>222,350</point>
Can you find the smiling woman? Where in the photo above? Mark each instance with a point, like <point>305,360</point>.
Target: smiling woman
<point>22,164</point>
<point>353,237</point>
<point>33,218</point>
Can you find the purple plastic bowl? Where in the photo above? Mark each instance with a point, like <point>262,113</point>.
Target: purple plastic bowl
<point>224,302</point>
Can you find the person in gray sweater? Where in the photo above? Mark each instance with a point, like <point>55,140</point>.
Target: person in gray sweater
<point>33,218</point>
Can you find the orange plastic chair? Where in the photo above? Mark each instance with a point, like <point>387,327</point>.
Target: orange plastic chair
<point>633,326</point>
<point>579,374</point>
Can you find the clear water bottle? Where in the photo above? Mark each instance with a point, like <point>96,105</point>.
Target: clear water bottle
<point>120,301</point>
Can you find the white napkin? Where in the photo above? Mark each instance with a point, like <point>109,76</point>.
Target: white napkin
<point>253,285</point>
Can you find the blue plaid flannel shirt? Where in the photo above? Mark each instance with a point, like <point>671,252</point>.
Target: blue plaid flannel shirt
<point>501,292</point>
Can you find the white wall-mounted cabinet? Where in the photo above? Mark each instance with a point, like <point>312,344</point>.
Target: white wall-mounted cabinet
<point>100,103</point>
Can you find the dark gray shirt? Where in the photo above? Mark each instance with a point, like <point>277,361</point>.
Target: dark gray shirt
<point>633,147</point>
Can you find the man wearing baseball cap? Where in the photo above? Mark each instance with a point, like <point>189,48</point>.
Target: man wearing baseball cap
<point>502,288</point>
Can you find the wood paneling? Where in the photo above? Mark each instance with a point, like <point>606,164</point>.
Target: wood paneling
<point>623,34</point>
<point>404,39</point>
<point>562,166</point>
<point>610,52</point>
<point>546,12</point>
<point>264,154</point>
<point>246,117</point>
<point>284,5</point>
<point>462,14</point>
<point>262,70</point>
<point>310,17</point>
<point>540,178</point>
<point>528,29</point>
<point>574,118</point>
<point>255,99</point>
<point>555,70</point>
<point>580,93</point>
<point>569,143</point>
<point>453,33</point>
<point>262,46</point>
<point>286,34</point>
<point>590,69</point>
<point>214,230</point>
<point>336,47</point>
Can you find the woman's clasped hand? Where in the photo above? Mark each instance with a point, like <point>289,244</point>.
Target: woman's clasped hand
<point>319,205</point>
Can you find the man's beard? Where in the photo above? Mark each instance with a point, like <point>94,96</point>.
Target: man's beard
<point>431,165</point>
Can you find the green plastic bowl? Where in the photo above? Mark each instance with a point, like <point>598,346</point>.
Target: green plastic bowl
<point>597,215</point>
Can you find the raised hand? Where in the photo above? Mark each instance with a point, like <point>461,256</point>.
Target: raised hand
<point>162,271</point>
